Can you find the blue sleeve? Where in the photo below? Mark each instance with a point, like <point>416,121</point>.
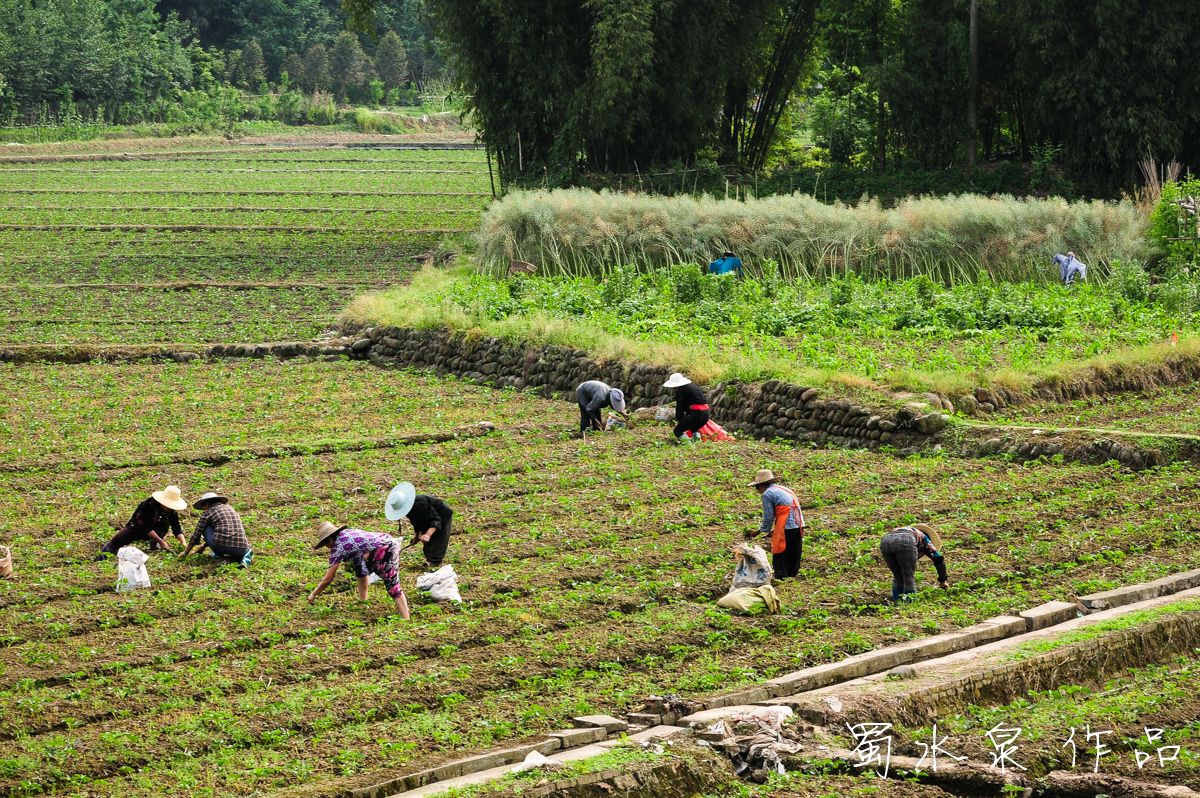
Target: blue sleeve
<point>737,265</point>
<point>768,513</point>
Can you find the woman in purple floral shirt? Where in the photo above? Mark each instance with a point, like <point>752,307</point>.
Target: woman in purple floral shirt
<point>368,553</point>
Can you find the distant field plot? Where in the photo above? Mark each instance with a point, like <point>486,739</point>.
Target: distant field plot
<point>79,412</point>
<point>1174,410</point>
<point>319,224</point>
<point>590,573</point>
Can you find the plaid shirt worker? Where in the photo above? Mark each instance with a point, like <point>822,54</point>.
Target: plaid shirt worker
<point>228,532</point>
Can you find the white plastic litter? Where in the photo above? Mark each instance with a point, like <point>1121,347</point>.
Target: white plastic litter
<point>753,568</point>
<point>535,759</point>
<point>442,584</point>
<point>131,569</point>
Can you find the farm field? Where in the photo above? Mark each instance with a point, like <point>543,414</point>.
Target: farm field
<point>1174,410</point>
<point>590,572</point>
<point>234,244</point>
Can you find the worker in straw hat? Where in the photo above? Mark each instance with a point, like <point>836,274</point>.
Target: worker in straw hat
<point>153,520</point>
<point>593,396</point>
<point>784,520</point>
<point>366,553</point>
<point>220,529</point>
<point>691,408</point>
<point>902,547</point>
<point>430,518</point>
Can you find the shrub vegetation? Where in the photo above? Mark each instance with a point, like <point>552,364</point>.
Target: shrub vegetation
<point>949,239</point>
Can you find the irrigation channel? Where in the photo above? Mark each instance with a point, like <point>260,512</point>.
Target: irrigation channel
<point>589,636</point>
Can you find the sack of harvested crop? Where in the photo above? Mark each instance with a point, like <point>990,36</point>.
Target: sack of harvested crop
<point>753,568</point>
<point>751,600</point>
<point>442,584</point>
<point>612,422</point>
<point>6,566</point>
<point>131,569</point>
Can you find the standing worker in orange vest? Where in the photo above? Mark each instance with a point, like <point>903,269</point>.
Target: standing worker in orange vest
<point>784,519</point>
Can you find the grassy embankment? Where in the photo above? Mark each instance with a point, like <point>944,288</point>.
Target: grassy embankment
<point>936,294</point>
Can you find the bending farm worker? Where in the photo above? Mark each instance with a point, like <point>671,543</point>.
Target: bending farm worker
<point>784,520</point>
<point>728,262</point>
<point>902,547</point>
<point>430,518</point>
<point>220,529</point>
<point>153,519</point>
<point>691,408</point>
<point>367,553</point>
<point>1070,268</point>
<point>593,396</point>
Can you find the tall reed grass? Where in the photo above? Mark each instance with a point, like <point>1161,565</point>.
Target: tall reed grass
<point>950,239</point>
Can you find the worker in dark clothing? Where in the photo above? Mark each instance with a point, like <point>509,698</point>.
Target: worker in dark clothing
<point>902,547</point>
<point>593,396</point>
<point>429,516</point>
<point>691,408</point>
<point>153,519</point>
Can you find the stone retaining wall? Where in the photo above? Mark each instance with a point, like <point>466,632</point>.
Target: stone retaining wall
<point>770,410</point>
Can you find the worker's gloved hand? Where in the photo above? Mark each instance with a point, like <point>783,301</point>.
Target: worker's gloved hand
<point>751,534</point>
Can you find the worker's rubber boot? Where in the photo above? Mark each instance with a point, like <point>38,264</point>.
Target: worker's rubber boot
<point>249,558</point>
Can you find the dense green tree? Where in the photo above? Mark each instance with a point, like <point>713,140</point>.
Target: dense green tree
<point>391,60</point>
<point>316,68</point>
<point>251,66</point>
<point>349,66</point>
<point>293,66</point>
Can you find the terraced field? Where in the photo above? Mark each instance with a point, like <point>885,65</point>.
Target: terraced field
<point>245,244</point>
<point>589,571</point>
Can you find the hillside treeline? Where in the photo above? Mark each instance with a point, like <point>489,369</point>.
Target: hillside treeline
<point>128,61</point>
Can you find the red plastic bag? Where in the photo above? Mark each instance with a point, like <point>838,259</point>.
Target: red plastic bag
<point>712,431</point>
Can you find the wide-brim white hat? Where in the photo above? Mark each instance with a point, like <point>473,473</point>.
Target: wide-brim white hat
<point>209,497</point>
<point>170,497</point>
<point>399,501</point>
<point>676,380</point>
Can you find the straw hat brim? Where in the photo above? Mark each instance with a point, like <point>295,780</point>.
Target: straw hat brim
<point>758,482</point>
<point>324,531</point>
<point>932,533</point>
<point>161,497</point>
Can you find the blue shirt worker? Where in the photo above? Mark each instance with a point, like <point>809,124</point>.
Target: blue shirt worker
<point>902,547</point>
<point>1070,268</point>
<point>728,262</point>
<point>784,520</point>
